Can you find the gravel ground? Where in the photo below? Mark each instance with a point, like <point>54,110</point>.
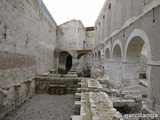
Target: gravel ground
<point>45,107</point>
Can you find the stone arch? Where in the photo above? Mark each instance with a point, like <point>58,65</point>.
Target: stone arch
<point>99,55</point>
<point>117,51</point>
<point>117,56</point>
<point>79,56</point>
<point>96,55</point>
<point>133,48</point>
<point>65,62</point>
<point>138,33</point>
<point>107,54</point>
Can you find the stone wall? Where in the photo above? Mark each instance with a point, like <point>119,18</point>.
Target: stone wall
<point>125,46</point>
<point>27,40</point>
<point>116,14</point>
<point>42,83</point>
<point>89,42</point>
<point>70,36</point>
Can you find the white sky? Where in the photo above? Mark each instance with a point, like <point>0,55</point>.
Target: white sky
<point>64,10</point>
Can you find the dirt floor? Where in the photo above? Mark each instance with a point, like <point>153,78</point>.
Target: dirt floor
<point>45,107</point>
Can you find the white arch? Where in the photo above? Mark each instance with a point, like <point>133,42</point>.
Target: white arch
<point>101,51</point>
<point>108,46</point>
<point>142,34</point>
<point>96,55</point>
<point>109,52</point>
<point>118,42</point>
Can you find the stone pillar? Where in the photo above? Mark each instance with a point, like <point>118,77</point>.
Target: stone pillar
<point>130,73</point>
<point>116,71</point>
<point>107,69</point>
<point>153,87</point>
<point>105,27</point>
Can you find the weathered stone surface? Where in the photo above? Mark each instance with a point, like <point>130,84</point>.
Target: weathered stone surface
<point>125,37</point>
<point>94,105</point>
<point>132,92</point>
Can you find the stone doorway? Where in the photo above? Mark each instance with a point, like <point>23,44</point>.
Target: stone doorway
<point>65,62</point>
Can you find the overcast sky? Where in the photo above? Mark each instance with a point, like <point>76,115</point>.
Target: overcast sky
<point>64,10</point>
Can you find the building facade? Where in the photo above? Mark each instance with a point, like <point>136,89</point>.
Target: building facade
<point>124,31</point>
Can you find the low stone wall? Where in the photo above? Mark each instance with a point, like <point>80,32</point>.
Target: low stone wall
<point>13,96</point>
<point>93,104</point>
<point>42,83</point>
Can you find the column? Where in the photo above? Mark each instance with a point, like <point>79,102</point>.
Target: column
<point>116,71</point>
<point>107,69</point>
<point>154,87</point>
<point>130,74</point>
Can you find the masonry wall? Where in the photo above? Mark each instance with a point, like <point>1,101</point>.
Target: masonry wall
<point>89,43</point>
<point>70,36</point>
<point>136,31</point>
<point>27,40</point>
<point>116,14</point>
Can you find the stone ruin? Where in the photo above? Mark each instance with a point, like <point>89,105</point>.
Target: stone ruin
<point>111,68</point>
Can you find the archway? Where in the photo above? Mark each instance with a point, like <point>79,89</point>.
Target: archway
<point>153,99</point>
<point>143,64</point>
<point>68,63</point>
<point>107,63</point>
<point>65,62</point>
<point>116,73</point>
<point>99,56</point>
<point>136,63</point>
<point>107,54</point>
<point>95,56</point>
<point>132,59</point>
<point>117,56</point>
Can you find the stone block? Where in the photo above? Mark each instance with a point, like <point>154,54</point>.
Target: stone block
<point>57,89</point>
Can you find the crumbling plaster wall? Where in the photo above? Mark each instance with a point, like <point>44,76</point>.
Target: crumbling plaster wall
<point>27,42</point>
<point>85,62</point>
<point>89,43</point>
<point>70,37</point>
